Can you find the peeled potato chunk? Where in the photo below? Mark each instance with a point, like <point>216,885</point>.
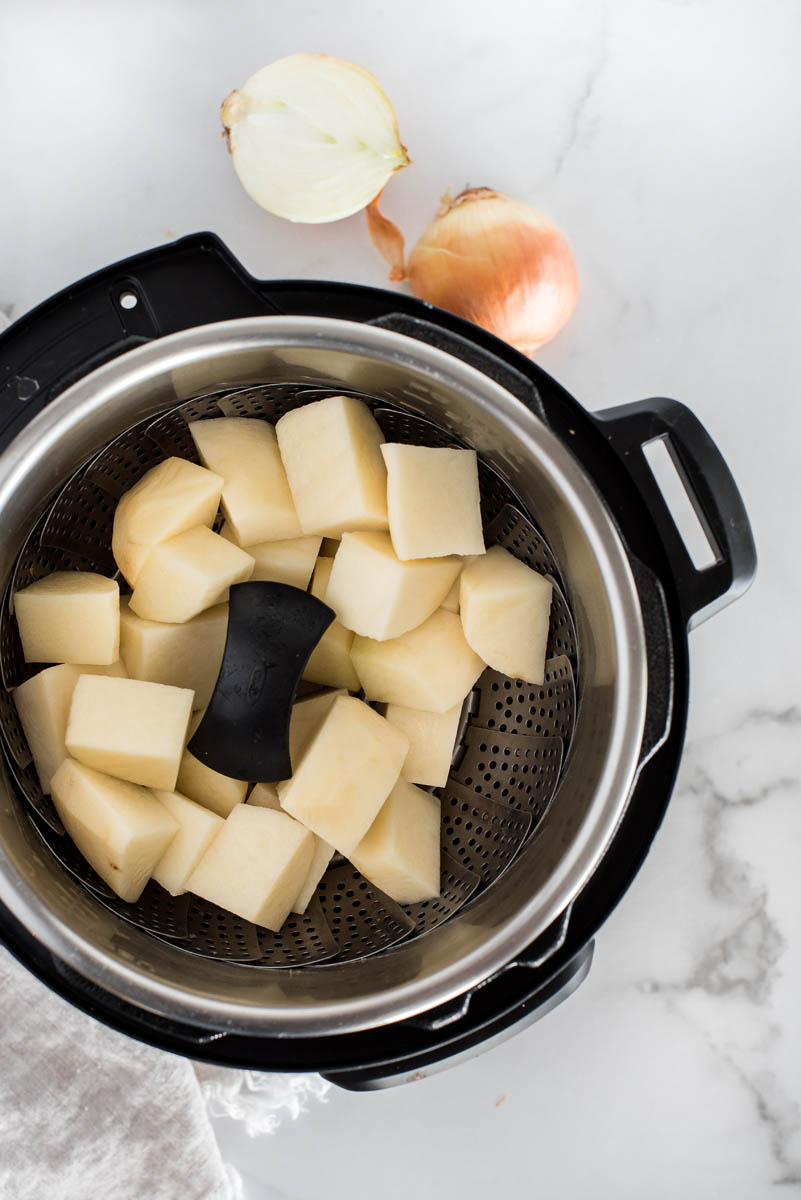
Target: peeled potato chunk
<point>290,561</point>
<point>187,655</point>
<point>431,667</point>
<point>43,704</point>
<point>505,609</point>
<point>431,740</point>
<point>256,498</point>
<point>265,795</point>
<point>331,452</point>
<point>433,501</point>
<point>329,662</point>
<point>128,728</point>
<point>346,773</point>
<point>321,857</point>
<point>376,595</point>
<point>187,574</point>
<point>400,851</point>
<point>256,865</point>
<point>197,828</point>
<point>121,830</point>
<point>451,601</point>
<point>70,617</point>
<point>307,715</point>
<point>219,793</point>
<point>174,496</point>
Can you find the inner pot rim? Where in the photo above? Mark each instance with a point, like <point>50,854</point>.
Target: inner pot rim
<point>83,400</point>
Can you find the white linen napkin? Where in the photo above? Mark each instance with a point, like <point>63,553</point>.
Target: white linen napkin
<point>87,1113</point>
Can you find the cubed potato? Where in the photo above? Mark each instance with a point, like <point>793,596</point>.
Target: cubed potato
<point>291,561</point>
<point>256,865</point>
<point>451,601</point>
<point>400,853</point>
<point>306,717</point>
<point>321,577</point>
<point>130,729</point>
<point>331,452</point>
<point>121,830</point>
<point>505,609</point>
<point>346,773</point>
<point>432,737</point>
<point>321,857</point>
<point>70,617</point>
<point>329,662</point>
<point>431,667</point>
<point>265,795</point>
<point>197,829</point>
<point>329,547</point>
<point>187,655</point>
<point>43,703</point>
<point>187,574</point>
<point>433,501</point>
<point>256,498</point>
<point>375,594</point>
<point>219,793</point>
<point>170,498</point>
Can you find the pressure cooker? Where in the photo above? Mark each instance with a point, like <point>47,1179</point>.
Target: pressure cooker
<point>555,792</point>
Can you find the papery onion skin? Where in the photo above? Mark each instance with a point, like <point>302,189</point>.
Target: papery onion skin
<point>313,138</point>
<point>387,239</point>
<point>500,263</point>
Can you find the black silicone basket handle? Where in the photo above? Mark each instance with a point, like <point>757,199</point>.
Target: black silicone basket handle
<point>193,281</point>
<point>711,489</point>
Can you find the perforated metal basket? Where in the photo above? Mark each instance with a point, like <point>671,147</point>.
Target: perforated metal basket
<point>540,775</point>
<point>508,758</point>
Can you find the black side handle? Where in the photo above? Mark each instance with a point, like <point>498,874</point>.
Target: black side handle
<point>711,489</point>
<point>193,281</point>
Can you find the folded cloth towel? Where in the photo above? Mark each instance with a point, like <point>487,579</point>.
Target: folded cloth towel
<point>86,1112</point>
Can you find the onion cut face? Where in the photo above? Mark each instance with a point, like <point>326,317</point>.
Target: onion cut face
<point>313,138</point>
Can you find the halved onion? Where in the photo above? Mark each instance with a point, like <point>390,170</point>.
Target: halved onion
<point>313,138</point>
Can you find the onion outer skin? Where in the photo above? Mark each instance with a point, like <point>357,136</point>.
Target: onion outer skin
<point>500,263</point>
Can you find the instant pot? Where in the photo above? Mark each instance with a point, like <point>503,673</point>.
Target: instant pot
<point>555,793</point>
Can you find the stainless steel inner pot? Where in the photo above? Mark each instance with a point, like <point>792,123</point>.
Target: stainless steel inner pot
<point>539,886</point>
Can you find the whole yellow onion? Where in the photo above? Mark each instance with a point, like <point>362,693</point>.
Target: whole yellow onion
<point>498,262</point>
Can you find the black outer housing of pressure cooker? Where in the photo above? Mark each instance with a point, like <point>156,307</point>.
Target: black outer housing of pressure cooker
<point>196,281</point>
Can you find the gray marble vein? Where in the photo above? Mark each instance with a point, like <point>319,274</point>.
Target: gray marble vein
<point>577,115</point>
<point>756,762</point>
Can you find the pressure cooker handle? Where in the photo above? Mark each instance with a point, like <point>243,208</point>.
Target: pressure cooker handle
<point>710,488</point>
<point>192,281</point>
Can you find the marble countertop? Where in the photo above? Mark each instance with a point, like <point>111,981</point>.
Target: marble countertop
<point>663,136</point>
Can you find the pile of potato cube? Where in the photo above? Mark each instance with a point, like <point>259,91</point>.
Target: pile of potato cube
<point>390,537</point>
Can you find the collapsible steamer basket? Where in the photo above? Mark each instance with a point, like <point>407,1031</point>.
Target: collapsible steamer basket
<point>555,791</point>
